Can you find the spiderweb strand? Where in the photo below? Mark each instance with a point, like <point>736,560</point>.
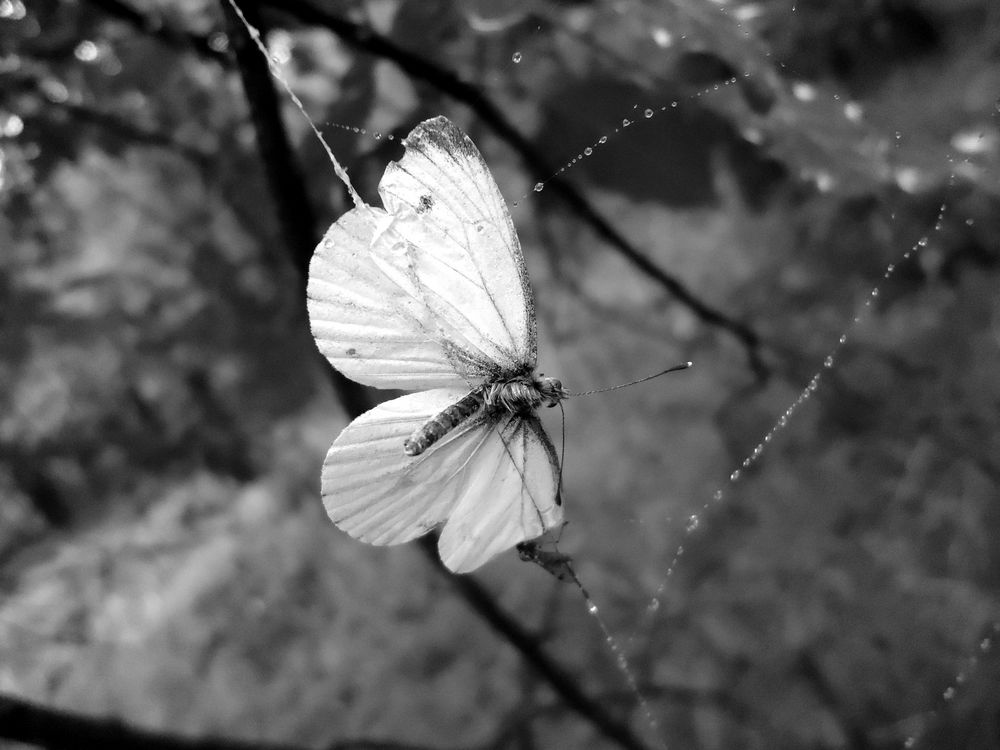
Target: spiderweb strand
<point>276,72</point>
<point>560,566</point>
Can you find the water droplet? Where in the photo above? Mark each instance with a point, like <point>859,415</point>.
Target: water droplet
<point>11,127</point>
<point>86,51</point>
<point>673,104</point>
<point>648,113</point>
<point>984,645</point>
<point>734,477</point>
<point>654,605</point>
<point>662,37</point>
<point>875,292</point>
<point>692,523</point>
<point>804,92</point>
<point>592,608</point>
<point>602,139</point>
<point>377,136</point>
<point>717,496</point>
<point>842,340</point>
<point>828,362</point>
<point>948,694</point>
<point>899,136</point>
<point>539,187</point>
<point>626,122</point>
<point>853,111</point>
<point>516,58</point>
<point>588,151</point>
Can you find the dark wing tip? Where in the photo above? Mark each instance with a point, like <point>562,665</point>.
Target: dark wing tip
<point>442,134</point>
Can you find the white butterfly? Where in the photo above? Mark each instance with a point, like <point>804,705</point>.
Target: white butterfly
<point>431,292</point>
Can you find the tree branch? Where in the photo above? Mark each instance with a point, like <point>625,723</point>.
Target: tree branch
<point>295,214</point>
<point>24,721</point>
<point>565,685</point>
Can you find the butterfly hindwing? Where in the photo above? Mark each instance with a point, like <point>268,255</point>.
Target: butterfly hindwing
<point>492,482</point>
<point>515,502</point>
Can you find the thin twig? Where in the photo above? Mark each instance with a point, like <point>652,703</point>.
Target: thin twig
<point>295,215</point>
<point>564,684</point>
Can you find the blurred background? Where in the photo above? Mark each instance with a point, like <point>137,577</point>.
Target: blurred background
<point>738,178</point>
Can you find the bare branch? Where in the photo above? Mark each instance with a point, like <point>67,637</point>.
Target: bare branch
<point>565,685</point>
<point>24,721</point>
<point>295,215</point>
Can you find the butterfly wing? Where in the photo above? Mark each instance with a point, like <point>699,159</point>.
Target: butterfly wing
<point>492,483</point>
<point>469,263</point>
<point>372,325</point>
<point>431,291</point>
<point>514,498</point>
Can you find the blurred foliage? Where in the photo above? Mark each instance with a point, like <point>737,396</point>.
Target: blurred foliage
<point>163,414</point>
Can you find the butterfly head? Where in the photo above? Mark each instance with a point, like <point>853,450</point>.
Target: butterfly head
<point>550,390</point>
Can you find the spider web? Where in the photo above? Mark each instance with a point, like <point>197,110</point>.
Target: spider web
<point>838,149</point>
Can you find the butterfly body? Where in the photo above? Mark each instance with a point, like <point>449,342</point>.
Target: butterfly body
<point>518,395</point>
<point>429,293</point>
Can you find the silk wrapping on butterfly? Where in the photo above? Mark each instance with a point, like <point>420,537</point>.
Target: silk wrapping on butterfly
<point>430,293</point>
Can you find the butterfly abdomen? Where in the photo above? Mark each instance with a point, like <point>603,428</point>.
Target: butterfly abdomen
<point>444,422</point>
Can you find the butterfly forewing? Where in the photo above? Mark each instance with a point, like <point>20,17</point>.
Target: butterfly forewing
<point>468,259</point>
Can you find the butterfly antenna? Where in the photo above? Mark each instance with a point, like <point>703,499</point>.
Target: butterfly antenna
<point>675,368</point>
